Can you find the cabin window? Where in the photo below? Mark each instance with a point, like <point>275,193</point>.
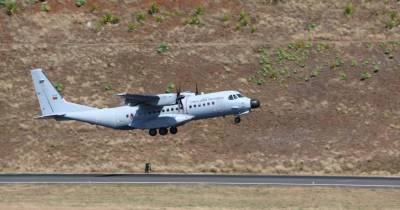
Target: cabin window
<point>190,106</point>
<point>212,102</point>
<point>199,105</point>
<point>194,106</point>
<point>167,110</point>
<point>163,110</point>
<point>127,115</point>
<point>208,103</point>
<point>204,104</point>
<point>230,97</point>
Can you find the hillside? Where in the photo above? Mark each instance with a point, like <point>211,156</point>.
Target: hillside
<point>327,74</point>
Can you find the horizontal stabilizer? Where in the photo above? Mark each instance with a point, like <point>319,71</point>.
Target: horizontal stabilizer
<point>50,116</point>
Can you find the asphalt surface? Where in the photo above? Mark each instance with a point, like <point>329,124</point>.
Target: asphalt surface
<point>345,181</point>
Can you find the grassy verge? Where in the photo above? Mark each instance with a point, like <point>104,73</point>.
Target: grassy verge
<point>193,196</point>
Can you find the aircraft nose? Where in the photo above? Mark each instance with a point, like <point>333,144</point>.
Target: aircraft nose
<point>254,103</point>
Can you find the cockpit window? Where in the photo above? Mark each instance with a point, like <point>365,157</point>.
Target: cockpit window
<point>239,95</point>
<point>230,97</point>
<point>235,96</point>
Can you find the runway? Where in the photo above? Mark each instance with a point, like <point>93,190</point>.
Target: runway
<point>210,179</point>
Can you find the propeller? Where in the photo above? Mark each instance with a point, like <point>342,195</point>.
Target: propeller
<point>179,97</point>
<point>197,90</point>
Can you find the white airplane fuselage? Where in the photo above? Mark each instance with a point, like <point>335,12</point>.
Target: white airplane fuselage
<point>195,107</point>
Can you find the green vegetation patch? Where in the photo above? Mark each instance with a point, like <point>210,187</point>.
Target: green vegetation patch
<point>107,18</point>
<point>162,48</point>
<point>349,10</point>
<point>11,6</point>
<point>140,17</point>
<point>80,3</point>
<point>44,7</point>
<point>394,20</point>
<point>365,75</point>
<point>59,86</point>
<point>195,19</point>
<point>170,88</point>
<point>154,8</point>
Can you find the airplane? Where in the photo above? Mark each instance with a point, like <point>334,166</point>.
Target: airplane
<point>142,111</point>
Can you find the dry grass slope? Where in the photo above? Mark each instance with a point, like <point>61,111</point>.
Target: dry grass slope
<point>328,78</point>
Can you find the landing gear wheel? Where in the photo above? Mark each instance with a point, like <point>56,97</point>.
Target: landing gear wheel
<point>173,130</point>
<point>237,120</point>
<point>152,132</point>
<point>163,131</point>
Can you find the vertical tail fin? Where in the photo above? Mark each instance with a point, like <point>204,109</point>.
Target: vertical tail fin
<point>50,100</point>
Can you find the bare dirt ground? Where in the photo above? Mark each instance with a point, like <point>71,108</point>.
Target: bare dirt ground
<point>327,74</point>
<point>86,197</point>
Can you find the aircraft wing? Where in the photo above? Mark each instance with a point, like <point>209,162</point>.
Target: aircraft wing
<point>166,121</point>
<point>136,99</point>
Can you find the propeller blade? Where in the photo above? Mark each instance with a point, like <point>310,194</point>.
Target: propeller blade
<point>197,89</point>
<point>179,97</point>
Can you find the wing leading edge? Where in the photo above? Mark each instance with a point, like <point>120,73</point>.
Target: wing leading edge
<point>137,99</point>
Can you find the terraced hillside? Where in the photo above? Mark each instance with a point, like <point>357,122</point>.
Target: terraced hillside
<point>327,74</point>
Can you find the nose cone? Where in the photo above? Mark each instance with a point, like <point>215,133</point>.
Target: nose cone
<point>254,103</point>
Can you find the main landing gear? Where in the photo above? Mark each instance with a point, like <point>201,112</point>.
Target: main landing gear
<point>237,120</point>
<point>163,131</point>
<point>152,132</point>
<point>173,130</point>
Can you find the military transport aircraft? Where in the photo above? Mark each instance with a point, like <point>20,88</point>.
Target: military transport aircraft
<point>142,111</point>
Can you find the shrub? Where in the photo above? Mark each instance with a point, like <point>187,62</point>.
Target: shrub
<point>159,19</point>
<point>194,20</point>
<point>80,3</point>
<point>349,10</point>
<point>266,66</point>
<point>322,46</point>
<point>354,63</point>
<point>2,2</point>
<point>311,27</point>
<point>44,7</point>
<point>376,68</point>
<point>199,10</point>
<point>154,8</point>
<point>170,88</point>
<point>226,17</point>
<point>162,48</point>
<point>394,20</point>
<point>93,8</point>
<point>140,17</point>
<point>365,75</point>
<point>316,72</point>
<point>253,29</point>
<point>107,87</point>
<point>244,19</point>
<point>338,62</point>
<point>11,7</point>
<point>343,76</point>
<point>107,18</point>
<point>59,86</point>
<point>110,18</point>
<point>132,27</point>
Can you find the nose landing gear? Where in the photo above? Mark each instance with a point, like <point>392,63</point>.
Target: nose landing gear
<point>237,120</point>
